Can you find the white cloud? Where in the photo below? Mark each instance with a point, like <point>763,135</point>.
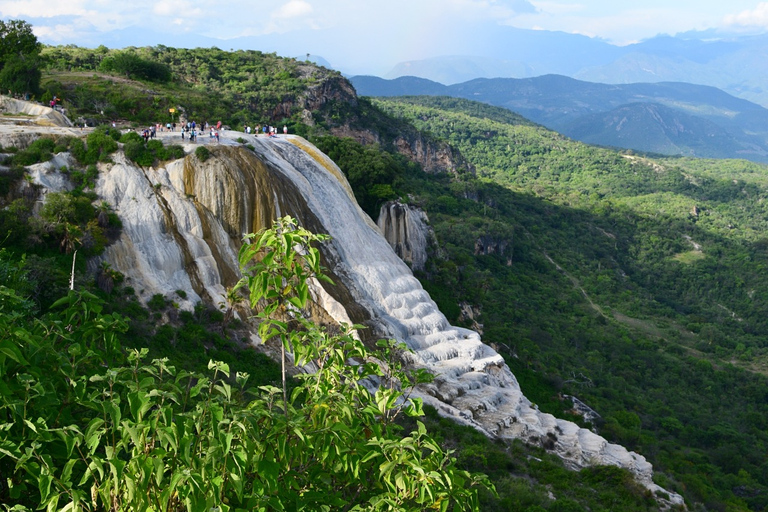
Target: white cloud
<point>558,8</point>
<point>57,34</point>
<point>293,9</point>
<point>177,13</point>
<point>292,16</point>
<point>757,17</point>
<point>42,9</point>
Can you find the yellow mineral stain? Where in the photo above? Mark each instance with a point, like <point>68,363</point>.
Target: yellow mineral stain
<point>325,162</point>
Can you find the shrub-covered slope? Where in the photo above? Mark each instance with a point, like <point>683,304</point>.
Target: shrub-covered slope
<point>635,284</point>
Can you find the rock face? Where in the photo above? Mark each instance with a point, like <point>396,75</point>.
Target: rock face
<point>433,156</point>
<point>407,230</point>
<point>182,225</point>
<point>37,114</point>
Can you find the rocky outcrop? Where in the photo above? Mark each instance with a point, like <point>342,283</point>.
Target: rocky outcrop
<point>182,225</point>
<point>27,112</point>
<point>329,89</point>
<point>406,228</point>
<point>433,156</point>
<point>469,315</point>
<point>487,244</point>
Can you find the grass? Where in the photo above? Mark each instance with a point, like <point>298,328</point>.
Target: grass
<point>690,257</point>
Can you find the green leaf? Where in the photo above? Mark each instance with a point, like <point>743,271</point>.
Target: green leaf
<point>268,470</point>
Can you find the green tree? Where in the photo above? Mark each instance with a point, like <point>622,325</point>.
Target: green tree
<point>19,58</point>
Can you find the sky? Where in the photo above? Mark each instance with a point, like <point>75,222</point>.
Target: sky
<point>360,34</point>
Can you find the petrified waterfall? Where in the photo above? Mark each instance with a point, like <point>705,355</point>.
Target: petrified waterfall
<point>182,226</point>
<point>406,228</point>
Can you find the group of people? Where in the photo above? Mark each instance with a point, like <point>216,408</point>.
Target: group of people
<point>147,133</point>
<point>190,130</point>
<point>270,131</point>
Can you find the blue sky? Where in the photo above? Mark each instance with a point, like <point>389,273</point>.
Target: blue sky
<point>365,33</point>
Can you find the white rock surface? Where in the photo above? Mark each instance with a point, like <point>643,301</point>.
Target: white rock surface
<point>33,113</point>
<point>406,228</point>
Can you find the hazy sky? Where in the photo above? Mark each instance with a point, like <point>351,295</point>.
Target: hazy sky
<point>390,30</point>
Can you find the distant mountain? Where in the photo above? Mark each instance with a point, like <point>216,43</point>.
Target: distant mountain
<point>460,68</point>
<point>714,123</point>
<point>651,127</point>
<point>403,86</point>
<point>734,63</point>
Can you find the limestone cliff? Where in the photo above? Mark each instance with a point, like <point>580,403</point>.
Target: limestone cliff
<point>28,113</point>
<point>333,93</point>
<point>182,225</point>
<point>406,228</point>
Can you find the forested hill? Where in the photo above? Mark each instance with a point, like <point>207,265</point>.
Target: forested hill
<point>686,119</point>
<point>207,84</point>
<point>636,284</point>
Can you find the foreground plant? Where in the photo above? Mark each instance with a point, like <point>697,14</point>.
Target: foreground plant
<point>78,435</point>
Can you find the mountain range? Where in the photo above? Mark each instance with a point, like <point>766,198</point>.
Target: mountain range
<point>732,62</point>
<point>671,118</point>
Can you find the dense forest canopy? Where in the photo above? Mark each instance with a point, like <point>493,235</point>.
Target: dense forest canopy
<point>634,283</point>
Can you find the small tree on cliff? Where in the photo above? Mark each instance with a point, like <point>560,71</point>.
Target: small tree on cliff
<point>19,58</point>
<point>82,436</point>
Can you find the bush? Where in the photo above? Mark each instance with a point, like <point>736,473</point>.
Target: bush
<point>133,66</point>
<point>131,136</point>
<point>202,153</point>
<point>41,150</point>
<point>87,427</point>
<point>157,302</point>
<point>100,143</point>
<point>85,179</point>
<point>147,154</point>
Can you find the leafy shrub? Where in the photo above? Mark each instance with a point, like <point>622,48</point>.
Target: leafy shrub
<point>202,153</point>
<point>136,152</point>
<point>138,436</point>
<point>133,66</point>
<point>147,154</point>
<point>85,179</point>
<point>100,143</point>
<point>172,152</point>
<point>131,136</point>
<point>41,150</point>
<point>9,179</point>
<point>157,302</point>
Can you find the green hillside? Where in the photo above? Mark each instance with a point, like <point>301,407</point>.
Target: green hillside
<point>141,85</point>
<point>635,284</point>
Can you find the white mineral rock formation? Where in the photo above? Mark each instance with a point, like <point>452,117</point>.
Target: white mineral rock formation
<point>406,228</point>
<point>32,113</point>
<point>181,229</point>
